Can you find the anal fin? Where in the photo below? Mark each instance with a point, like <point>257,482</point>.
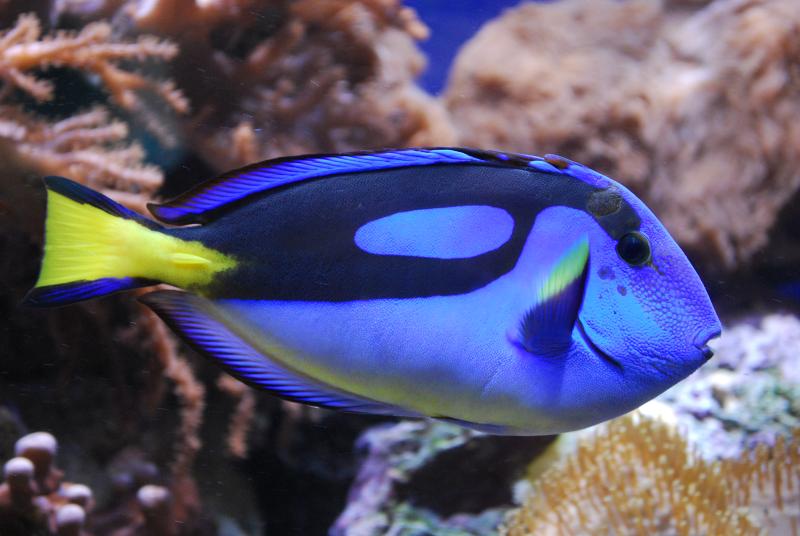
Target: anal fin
<point>196,321</point>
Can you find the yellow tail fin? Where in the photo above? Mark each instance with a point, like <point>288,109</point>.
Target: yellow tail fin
<point>95,246</point>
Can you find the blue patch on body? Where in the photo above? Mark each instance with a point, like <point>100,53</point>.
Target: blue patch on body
<point>442,233</point>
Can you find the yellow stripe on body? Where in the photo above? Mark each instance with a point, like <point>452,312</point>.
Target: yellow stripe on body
<point>85,243</point>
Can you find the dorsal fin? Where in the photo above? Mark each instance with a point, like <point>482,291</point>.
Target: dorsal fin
<point>201,202</point>
<point>206,200</point>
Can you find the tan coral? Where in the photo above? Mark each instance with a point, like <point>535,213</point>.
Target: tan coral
<point>695,109</point>
<point>562,77</point>
<point>726,125</point>
<point>639,476</point>
<point>93,51</point>
<point>90,146</point>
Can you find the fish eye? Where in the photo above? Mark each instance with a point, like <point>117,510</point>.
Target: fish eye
<point>634,248</point>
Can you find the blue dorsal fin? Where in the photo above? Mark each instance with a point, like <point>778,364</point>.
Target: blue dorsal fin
<point>201,202</point>
<point>195,320</point>
<point>546,329</point>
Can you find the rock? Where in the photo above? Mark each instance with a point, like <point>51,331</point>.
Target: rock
<point>430,477</point>
<point>748,393</point>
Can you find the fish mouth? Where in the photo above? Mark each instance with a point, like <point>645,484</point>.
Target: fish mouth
<point>703,338</point>
<point>594,348</point>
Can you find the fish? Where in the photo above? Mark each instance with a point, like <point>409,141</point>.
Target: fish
<point>509,293</point>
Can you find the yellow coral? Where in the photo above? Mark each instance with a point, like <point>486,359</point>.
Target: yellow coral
<point>639,476</point>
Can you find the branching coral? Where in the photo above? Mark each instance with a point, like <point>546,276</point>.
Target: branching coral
<point>697,111</point>
<point>242,418</point>
<point>282,77</point>
<point>191,396</point>
<point>92,51</point>
<point>639,476</point>
<point>90,147</point>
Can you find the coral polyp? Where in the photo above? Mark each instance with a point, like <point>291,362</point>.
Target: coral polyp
<point>636,475</point>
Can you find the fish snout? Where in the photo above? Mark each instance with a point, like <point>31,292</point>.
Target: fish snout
<point>702,339</point>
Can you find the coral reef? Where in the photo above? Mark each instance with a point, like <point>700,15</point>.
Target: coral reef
<point>696,109</point>
<point>88,146</point>
<point>271,78</point>
<point>35,499</point>
<point>671,467</point>
<point>694,104</point>
<point>265,78</point>
<point>639,476</point>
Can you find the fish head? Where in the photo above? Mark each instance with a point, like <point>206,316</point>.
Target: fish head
<point>644,305</point>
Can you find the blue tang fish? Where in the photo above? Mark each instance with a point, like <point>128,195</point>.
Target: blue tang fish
<point>509,293</point>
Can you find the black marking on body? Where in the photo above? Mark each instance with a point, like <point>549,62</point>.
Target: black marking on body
<point>606,272</point>
<point>296,242</point>
<point>604,202</point>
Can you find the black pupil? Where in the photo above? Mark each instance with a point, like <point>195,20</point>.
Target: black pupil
<point>633,248</point>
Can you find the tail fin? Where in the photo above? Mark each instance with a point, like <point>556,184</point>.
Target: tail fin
<point>95,246</point>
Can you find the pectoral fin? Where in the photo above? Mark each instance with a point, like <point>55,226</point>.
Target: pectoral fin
<point>546,329</point>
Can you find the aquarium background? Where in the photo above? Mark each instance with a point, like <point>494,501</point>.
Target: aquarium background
<point>694,105</point>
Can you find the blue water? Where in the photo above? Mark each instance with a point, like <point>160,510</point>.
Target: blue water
<point>451,24</point>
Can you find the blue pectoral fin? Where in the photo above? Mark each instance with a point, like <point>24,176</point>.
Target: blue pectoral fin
<point>546,328</point>
<point>201,326</point>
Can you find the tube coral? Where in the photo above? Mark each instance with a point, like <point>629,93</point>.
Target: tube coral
<point>639,476</point>
<point>33,498</point>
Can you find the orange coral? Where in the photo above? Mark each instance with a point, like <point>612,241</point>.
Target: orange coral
<point>90,147</point>
<point>191,397</point>
<point>91,50</point>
